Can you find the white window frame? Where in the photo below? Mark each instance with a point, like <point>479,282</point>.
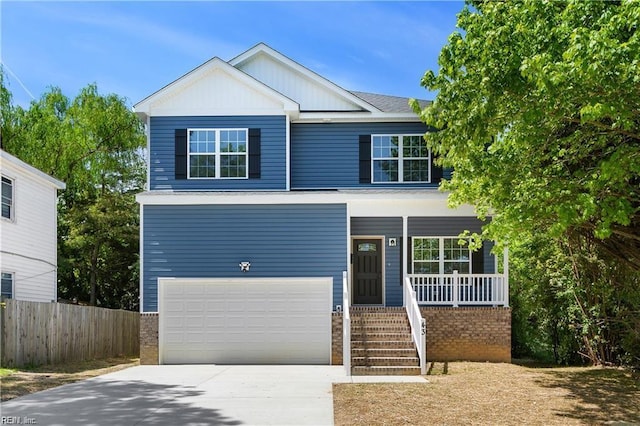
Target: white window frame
<point>217,153</point>
<point>441,259</point>
<point>12,207</point>
<point>13,284</point>
<point>400,159</point>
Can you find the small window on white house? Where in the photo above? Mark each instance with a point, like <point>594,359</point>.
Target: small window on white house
<point>7,198</point>
<point>7,285</point>
<point>217,153</point>
<point>400,158</point>
<point>440,255</point>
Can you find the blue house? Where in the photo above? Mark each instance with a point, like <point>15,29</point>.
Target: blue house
<point>277,202</point>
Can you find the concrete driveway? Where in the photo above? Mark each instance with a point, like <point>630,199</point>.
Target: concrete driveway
<point>190,395</point>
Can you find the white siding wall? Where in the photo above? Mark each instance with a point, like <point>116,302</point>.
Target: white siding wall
<point>28,243</point>
<point>310,95</point>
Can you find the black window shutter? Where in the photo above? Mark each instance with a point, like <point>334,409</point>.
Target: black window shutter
<point>365,158</point>
<point>254,153</point>
<point>436,171</point>
<point>181,153</point>
<point>477,261</point>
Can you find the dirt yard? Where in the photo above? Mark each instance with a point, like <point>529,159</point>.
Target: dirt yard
<point>25,381</point>
<point>490,394</point>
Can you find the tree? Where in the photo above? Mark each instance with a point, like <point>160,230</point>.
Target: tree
<point>538,106</point>
<point>93,143</point>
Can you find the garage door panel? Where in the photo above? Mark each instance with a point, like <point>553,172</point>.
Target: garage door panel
<point>257,321</point>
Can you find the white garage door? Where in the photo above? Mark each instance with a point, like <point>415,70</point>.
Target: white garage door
<point>245,321</point>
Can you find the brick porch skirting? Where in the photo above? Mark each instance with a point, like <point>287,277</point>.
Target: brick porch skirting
<point>454,334</point>
<point>149,339</point>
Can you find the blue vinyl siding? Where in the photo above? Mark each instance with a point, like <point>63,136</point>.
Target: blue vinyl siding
<point>209,241</point>
<point>389,227</point>
<point>273,152</point>
<point>326,155</point>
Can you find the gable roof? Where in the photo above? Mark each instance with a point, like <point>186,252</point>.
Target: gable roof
<point>16,162</point>
<point>262,81</point>
<point>209,90</point>
<point>311,90</point>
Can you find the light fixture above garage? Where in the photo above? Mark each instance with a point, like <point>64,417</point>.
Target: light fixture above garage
<point>244,266</point>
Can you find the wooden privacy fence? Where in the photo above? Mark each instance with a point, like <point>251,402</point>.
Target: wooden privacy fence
<point>35,333</point>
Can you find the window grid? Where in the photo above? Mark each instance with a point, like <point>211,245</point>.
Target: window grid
<point>400,158</point>
<point>218,153</point>
<point>7,198</point>
<point>440,255</point>
<point>6,286</point>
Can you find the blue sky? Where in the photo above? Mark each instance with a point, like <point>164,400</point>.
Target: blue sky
<point>133,48</point>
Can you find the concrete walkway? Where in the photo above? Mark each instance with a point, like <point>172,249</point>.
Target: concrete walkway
<point>191,395</point>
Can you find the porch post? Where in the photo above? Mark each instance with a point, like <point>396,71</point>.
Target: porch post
<point>405,255</point>
<point>505,271</point>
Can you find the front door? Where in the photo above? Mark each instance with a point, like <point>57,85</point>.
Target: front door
<point>367,271</point>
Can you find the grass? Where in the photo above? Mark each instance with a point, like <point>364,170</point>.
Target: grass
<point>487,394</point>
<point>18,382</point>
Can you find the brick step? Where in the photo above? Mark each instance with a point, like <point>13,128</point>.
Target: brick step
<point>386,323</point>
<point>388,328</point>
<point>382,344</point>
<point>385,361</point>
<point>381,335</point>
<point>384,352</point>
<point>385,371</point>
<point>377,309</point>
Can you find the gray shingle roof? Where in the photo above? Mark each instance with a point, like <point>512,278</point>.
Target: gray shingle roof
<point>387,103</point>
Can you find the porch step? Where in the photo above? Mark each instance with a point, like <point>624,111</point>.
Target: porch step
<point>400,361</point>
<point>387,352</point>
<point>385,371</point>
<point>381,342</point>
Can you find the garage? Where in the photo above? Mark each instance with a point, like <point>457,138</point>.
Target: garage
<point>245,321</point>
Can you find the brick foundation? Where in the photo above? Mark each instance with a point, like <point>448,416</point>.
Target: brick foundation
<point>336,338</point>
<point>149,339</point>
<point>468,333</point>
<point>453,334</point>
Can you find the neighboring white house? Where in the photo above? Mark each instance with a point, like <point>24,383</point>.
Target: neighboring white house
<point>28,231</point>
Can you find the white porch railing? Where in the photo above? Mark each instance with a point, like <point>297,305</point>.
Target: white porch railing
<point>346,325</point>
<point>461,289</point>
<point>418,325</point>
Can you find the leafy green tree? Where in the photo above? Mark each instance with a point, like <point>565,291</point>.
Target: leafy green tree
<point>93,143</point>
<point>538,106</point>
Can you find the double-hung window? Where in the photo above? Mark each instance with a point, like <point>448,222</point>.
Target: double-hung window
<point>440,255</point>
<point>400,158</point>
<point>7,198</point>
<point>218,153</point>
<point>7,285</point>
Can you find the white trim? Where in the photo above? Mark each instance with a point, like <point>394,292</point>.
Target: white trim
<point>405,254</point>
<point>363,203</point>
<point>141,261</point>
<point>383,244</point>
<point>316,78</point>
<point>217,153</point>
<point>148,153</point>
<point>287,147</point>
<point>349,249</point>
<point>5,156</point>
<point>355,117</point>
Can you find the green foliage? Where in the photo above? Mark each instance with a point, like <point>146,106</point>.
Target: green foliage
<point>538,107</point>
<point>94,144</point>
